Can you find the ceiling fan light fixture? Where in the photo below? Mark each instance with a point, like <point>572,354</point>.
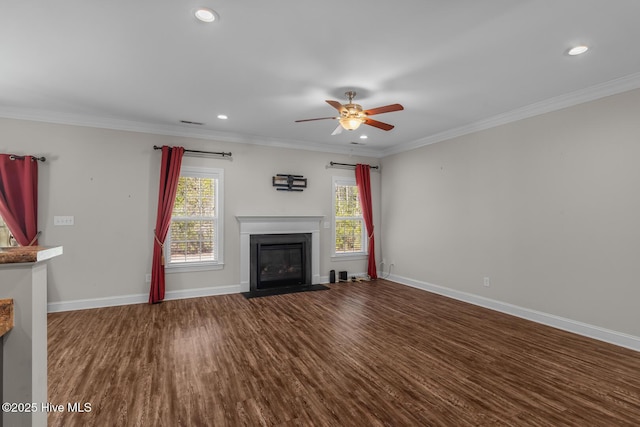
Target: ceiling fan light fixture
<point>351,123</point>
<point>352,115</point>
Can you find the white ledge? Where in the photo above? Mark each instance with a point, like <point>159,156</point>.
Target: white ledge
<point>49,253</point>
<point>278,218</point>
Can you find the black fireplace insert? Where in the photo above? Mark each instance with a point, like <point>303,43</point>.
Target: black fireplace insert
<point>280,263</point>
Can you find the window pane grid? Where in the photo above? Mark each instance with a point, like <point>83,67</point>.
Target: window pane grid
<point>349,224</point>
<point>194,222</point>
<point>195,197</point>
<point>348,236</point>
<point>193,241</point>
<point>347,203</point>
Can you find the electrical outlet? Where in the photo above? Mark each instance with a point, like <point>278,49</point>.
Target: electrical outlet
<point>384,261</point>
<point>147,278</point>
<point>487,282</point>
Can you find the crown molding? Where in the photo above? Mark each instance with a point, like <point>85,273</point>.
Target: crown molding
<point>177,131</point>
<point>592,93</point>
<point>612,87</point>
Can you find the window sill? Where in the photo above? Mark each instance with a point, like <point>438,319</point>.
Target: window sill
<point>349,257</point>
<point>189,267</point>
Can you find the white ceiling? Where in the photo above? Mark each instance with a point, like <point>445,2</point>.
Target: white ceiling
<point>455,65</point>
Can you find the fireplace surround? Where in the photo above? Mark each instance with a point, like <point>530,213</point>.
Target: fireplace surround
<point>284,224</point>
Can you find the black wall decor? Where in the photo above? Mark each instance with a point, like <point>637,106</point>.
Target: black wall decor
<point>285,182</point>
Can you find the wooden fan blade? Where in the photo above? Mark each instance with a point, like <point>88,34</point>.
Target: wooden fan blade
<point>338,130</point>
<point>377,124</point>
<point>385,109</point>
<point>321,118</point>
<point>336,105</point>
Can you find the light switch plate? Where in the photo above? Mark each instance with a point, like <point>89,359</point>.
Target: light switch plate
<point>63,220</point>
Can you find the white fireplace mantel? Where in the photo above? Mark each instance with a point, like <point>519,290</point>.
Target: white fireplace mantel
<point>281,224</point>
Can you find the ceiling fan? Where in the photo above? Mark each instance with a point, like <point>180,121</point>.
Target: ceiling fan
<point>352,115</point>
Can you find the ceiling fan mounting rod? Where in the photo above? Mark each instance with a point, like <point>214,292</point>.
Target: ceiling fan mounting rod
<point>350,94</point>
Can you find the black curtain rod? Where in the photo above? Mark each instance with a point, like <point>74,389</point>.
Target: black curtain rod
<point>14,157</point>
<point>349,164</point>
<point>221,153</point>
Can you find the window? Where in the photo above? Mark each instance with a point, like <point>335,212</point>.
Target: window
<point>6,239</point>
<point>194,241</point>
<point>348,225</point>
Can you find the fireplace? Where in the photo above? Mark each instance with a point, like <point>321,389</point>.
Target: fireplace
<point>280,261</point>
<point>255,225</point>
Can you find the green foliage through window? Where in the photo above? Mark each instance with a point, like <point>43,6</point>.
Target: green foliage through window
<point>349,223</point>
<point>194,220</point>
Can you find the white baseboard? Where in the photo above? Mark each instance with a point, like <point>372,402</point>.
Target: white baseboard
<point>84,304</point>
<point>580,328</point>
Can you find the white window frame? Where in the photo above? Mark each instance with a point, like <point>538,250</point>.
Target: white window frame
<point>342,181</point>
<point>218,175</point>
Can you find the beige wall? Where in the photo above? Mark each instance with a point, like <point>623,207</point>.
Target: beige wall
<point>547,207</point>
<point>108,180</point>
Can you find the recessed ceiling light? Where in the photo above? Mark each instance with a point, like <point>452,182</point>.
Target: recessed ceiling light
<point>363,137</point>
<point>578,50</point>
<point>205,15</point>
<point>222,116</point>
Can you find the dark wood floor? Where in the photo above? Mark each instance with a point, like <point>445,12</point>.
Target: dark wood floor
<point>361,354</point>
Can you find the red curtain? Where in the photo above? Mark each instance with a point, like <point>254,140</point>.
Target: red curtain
<point>19,197</point>
<point>169,176</point>
<point>363,181</point>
